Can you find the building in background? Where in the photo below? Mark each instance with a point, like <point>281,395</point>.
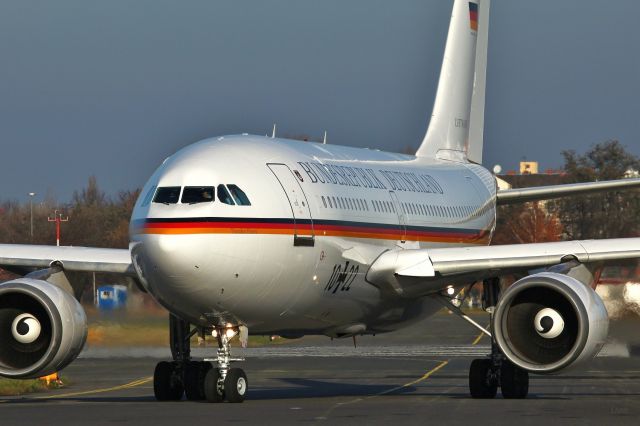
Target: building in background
<point>528,167</point>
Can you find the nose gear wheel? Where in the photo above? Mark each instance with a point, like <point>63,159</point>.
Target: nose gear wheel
<point>212,379</point>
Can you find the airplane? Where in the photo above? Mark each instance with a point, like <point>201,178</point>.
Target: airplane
<point>247,234</point>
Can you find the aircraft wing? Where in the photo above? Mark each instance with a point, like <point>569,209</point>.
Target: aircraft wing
<point>416,272</point>
<point>77,259</point>
<point>509,196</point>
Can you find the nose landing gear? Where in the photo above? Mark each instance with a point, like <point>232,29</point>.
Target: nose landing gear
<point>224,382</point>
<point>211,379</point>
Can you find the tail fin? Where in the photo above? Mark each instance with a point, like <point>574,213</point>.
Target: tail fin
<point>476,121</point>
<point>461,85</point>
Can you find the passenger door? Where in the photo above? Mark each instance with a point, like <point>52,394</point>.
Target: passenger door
<point>303,223</point>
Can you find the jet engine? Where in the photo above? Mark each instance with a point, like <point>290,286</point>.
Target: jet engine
<point>42,328</point>
<point>547,322</point>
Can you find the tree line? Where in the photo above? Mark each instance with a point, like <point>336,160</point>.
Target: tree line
<point>611,214</point>
<point>98,220</point>
<point>95,219</point>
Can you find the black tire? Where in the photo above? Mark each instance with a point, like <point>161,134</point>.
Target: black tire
<point>514,381</point>
<point>479,384</point>
<point>194,375</point>
<point>213,392</point>
<point>167,384</point>
<point>236,385</point>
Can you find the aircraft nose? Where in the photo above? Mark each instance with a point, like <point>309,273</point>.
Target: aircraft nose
<point>184,275</point>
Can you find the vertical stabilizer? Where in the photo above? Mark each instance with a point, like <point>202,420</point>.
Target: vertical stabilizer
<point>448,134</point>
<point>476,120</point>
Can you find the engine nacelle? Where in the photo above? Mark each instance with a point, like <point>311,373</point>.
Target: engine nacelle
<point>42,328</point>
<point>547,322</point>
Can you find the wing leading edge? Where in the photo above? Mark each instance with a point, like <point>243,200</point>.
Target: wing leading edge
<point>77,259</point>
<point>509,196</point>
<point>416,272</point>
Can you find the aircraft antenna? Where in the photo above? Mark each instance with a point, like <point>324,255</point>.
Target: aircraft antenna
<point>273,133</point>
<point>324,139</point>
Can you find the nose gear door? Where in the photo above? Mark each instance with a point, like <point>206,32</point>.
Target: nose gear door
<point>303,234</point>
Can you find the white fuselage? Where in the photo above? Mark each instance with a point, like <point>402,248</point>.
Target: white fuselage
<point>295,260</point>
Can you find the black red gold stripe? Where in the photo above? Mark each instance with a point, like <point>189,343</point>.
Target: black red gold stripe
<point>332,228</point>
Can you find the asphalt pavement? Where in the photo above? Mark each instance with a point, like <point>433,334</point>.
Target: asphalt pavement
<point>416,376</point>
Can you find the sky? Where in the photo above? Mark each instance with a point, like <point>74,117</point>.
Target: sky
<point>111,88</point>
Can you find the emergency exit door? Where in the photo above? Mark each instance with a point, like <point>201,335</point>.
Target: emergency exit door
<point>402,219</point>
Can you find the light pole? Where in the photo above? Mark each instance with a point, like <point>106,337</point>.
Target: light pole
<point>31,194</point>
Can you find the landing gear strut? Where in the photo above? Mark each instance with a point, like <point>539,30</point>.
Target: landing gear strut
<point>198,380</point>
<point>485,375</point>
<point>224,382</point>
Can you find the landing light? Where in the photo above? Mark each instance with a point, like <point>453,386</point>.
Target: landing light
<point>450,291</point>
<point>230,333</point>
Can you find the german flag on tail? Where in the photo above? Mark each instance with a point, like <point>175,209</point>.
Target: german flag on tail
<point>473,16</point>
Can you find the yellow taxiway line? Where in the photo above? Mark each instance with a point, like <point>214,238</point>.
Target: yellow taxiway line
<point>129,385</point>
<point>424,377</point>
<point>415,382</point>
<point>477,340</point>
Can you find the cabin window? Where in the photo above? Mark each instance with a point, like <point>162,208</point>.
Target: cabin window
<point>224,196</point>
<point>197,194</point>
<point>239,195</point>
<point>324,202</point>
<point>167,195</point>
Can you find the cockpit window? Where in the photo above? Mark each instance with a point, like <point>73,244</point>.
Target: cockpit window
<point>197,194</point>
<point>147,198</point>
<point>167,195</point>
<point>239,195</point>
<point>224,196</point>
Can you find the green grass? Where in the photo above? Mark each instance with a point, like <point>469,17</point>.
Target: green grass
<point>15,387</point>
<point>12,387</point>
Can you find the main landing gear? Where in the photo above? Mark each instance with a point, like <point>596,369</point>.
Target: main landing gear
<point>486,375</point>
<point>212,379</point>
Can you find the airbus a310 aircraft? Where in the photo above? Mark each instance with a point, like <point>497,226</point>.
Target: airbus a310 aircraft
<point>283,237</point>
